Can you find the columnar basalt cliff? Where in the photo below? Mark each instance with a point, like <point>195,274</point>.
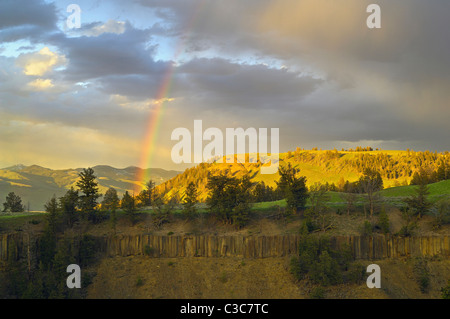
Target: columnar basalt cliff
<point>362,247</point>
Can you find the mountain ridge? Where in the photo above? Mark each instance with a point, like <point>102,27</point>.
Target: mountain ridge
<point>36,184</point>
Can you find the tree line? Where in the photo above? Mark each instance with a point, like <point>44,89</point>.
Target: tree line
<point>229,199</point>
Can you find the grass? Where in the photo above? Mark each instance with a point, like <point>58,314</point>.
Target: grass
<point>16,221</point>
<point>4,216</point>
<point>437,190</point>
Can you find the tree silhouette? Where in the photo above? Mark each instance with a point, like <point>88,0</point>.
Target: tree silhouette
<point>293,187</point>
<point>13,203</point>
<point>370,183</point>
<point>190,200</point>
<point>89,189</point>
<point>418,202</point>
<point>69,204</point>
<point>111,202</point>
<point>128,204</point>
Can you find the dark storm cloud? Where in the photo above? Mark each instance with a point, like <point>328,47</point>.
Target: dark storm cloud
<point>23,19</point>
<point>108,54</point>
<point>244,86</point>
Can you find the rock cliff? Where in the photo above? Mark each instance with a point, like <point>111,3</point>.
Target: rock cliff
<point>374,247</point>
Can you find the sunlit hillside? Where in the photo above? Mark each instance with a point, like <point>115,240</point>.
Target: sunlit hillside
<point>319,166</point>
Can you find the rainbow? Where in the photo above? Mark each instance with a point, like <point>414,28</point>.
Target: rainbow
<point>151,134</point>
<point>155,118</point>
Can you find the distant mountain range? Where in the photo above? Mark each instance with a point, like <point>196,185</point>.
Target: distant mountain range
<point>36,184</point>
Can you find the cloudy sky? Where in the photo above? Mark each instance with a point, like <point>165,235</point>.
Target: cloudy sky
<point>86,96</point>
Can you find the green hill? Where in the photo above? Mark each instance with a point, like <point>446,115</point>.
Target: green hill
<point>36,184</point>
<point>333,167</point>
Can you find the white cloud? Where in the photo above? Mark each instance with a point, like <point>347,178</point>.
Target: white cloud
<point>40,62</point>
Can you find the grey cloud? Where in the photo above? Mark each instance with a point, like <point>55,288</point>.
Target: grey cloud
<point>108,54</point>
<point>246,86</point>
<point>22,19</point>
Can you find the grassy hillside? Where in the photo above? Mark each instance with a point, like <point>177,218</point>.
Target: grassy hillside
<point>395,167</point>
<point>36,184</point>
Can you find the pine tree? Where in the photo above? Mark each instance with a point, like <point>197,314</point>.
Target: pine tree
<point>111,203</point>
<point>294,188</point>
<point>190,201</point>
<point>128,204</point>
<point>418,203</point>
<point>222,195</point>
<point>241,209</point>
<point>13,203</point>
<point>147,195</point>
<point>383,221</point>
<point>53,216</point>
<point>69,204</point>
<point>89,189</point>
<point>111,200</point>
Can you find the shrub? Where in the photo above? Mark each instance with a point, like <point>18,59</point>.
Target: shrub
<point>383,221</point>
<point>223,277</point>
<point>407,230</point>
<point>296,268</point>
<point>317,293</point>
<point>355,273</point>
<point>148,250</point>
<point>422,274</point>
<point>367,228</point>
<point>87,250</point>
<point>326,271</point>
<point>445,291</point>
<point>139,282</point>
<point>441,213</point>
<point>319,262</point>
<point>308,226</point>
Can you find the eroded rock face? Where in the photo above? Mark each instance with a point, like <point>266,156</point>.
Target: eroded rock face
<point>374,247</point>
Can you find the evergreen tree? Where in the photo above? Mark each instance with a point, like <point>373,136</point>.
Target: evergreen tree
<point>229,198</point>
<point>146,195</point>
<point>293,187</point>
<point>442,172</point>
<point>111,200</point>
<point>441,213</point>
<point>128,204</point>
<point>53,216</point>
<point>418,202</point>
<point>383,221</point>
<point>163,210</point>
<point>190,201</point>
<point>89,189</point>
<point>13,203</point>
<point>68,204</point>
<point>222,195</point>
<point>111,203</point>
<point>241,210</point>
